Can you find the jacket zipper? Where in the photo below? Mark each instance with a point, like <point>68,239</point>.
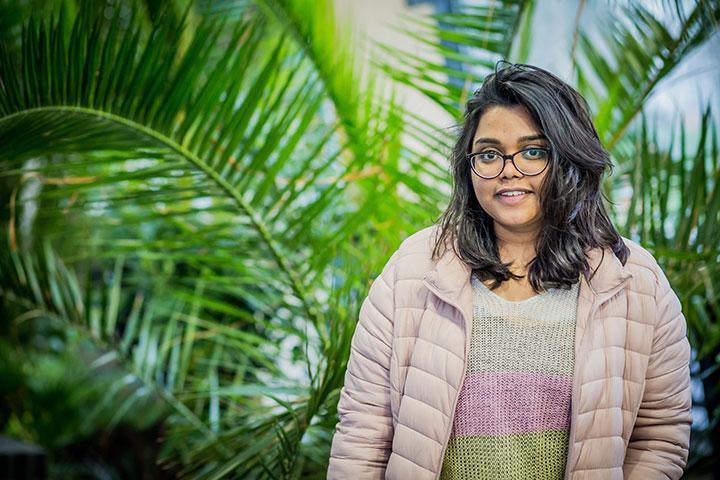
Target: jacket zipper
<point>576,387</point>
<point>462,377</point>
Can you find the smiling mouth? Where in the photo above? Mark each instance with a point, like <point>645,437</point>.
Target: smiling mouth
<point>511,195</point>
<point>512,200</point>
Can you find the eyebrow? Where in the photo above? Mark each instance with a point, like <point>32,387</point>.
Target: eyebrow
<point>495,141</point>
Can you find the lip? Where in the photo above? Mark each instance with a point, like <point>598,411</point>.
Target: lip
<point>516,189</point>
<point>513,200</point>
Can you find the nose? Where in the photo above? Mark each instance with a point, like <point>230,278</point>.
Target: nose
<point>509,170</point>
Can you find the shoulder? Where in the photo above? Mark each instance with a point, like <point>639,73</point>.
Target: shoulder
<point>647,273</point>
<point>639,256</point>
<point>420,242</point>
<point>414,255</point>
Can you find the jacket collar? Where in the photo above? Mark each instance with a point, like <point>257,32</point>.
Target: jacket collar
<point>450,274</point>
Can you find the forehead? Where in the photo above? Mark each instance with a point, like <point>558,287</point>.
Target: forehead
<point>507,122</point>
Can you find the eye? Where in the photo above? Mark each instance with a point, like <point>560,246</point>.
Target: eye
<point>535,153</point>
<point>488,156</point>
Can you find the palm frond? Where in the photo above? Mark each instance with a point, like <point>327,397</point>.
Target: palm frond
<point>61,108</point>
<point>204,200</point>
<point>642,51</point>
<point>672,198</point>
<point>469,42</point>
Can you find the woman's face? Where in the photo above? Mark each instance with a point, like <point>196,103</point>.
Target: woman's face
<point>507,130</point>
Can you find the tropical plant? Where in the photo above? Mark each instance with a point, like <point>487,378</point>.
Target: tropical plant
<point>195,200</point>
<point>672,206</point>
<point>205,190</point>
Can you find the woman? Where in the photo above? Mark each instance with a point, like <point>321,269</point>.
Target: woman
<point>521,337</point>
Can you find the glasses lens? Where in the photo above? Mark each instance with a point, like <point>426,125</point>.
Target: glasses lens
<point>530,162</point>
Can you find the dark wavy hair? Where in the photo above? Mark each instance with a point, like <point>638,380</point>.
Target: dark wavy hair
<point>574,217</point>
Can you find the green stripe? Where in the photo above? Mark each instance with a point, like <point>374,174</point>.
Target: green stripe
<point>538,455</point>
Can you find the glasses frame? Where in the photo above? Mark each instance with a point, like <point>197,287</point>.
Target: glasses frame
<point>511,157</point>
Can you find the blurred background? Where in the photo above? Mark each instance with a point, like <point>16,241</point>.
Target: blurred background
<point>196,196</point>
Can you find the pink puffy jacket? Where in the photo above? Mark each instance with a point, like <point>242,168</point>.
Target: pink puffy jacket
<point>631,400</point>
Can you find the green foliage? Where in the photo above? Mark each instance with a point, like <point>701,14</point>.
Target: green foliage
<point>210,188</point>
<point>474,39</point>
<point>195,196</point>
<point>671,199</point>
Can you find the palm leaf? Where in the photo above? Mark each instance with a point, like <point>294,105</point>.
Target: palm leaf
<point>201,198</point>
<point>642,51</point>
<point>470,40</point>
<point>671,198</point>
<point>128,116</point>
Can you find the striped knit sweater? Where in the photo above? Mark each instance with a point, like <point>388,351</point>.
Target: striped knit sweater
<point>513,415</point>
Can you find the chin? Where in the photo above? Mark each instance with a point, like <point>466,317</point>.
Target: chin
<point>524,224</point>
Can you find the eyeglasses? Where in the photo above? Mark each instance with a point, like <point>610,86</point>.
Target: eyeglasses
<point>491,163</point>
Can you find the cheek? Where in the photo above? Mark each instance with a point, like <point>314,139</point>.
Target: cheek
<point>483,192</point>
<point>537,187</point>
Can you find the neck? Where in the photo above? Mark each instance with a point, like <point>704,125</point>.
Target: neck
<point>516,247</point>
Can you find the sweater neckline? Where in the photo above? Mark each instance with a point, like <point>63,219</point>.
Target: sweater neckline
<point>504,300</point>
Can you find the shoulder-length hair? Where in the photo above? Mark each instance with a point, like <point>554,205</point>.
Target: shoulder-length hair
<point>574,217</point>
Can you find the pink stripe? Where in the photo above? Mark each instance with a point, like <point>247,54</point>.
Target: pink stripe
<point>504,403</point>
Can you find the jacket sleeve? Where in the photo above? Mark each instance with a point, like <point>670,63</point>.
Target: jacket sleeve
<point>659,443</point>
<point>362,441</point>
